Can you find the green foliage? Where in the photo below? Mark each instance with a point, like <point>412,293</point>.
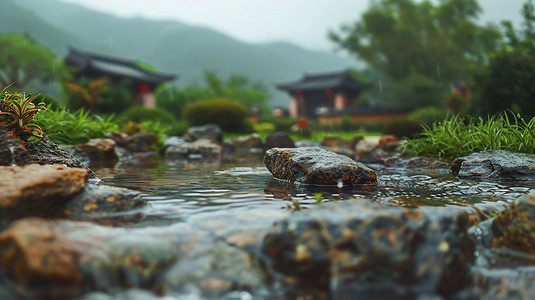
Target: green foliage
<point>49,101</point>
<point>429,115</point>
<point>139,114</point>
<point>416,50</point>
<point>507,81</point>
<point>64,127</point>
<point>237,88</point>
<point>455,137</point>
<point>99,95</point>
<point>18,112</point>
<point>403,128</point>
<point>23,60</point>
<point>229,115</point>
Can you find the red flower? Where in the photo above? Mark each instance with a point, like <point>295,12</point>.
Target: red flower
<point>302,123</point>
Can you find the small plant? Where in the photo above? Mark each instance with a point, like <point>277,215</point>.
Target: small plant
<point>18,112</point>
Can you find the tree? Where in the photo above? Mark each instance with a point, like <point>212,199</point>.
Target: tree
<point>23,60</point>
<point>507,81</point>
<point>415,47</point>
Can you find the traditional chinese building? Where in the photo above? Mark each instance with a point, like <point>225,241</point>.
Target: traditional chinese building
<point>142,81</point>
<point>314,95</point>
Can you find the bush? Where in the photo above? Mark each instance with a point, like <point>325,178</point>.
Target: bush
<point>64,127</point>
<point>229,115</point>
<point>429,115</point>
<point>49,101</point>
<point>403,128</point>
<point>139,114</point>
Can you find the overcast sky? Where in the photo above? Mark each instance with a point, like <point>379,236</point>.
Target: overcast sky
<point>304,22</point>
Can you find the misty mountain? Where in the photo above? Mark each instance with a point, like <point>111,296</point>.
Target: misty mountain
<point>169,46</point>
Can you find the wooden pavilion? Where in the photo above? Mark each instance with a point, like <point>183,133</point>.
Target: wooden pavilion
<point>321,93</point>
<point>142,81</point>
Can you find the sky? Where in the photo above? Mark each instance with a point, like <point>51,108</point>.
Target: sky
<point>303,22</point>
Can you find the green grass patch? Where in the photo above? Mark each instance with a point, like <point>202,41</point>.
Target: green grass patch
<point>455,137</point>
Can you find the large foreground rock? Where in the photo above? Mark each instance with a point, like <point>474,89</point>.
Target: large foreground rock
<point>361,250</point>
<point>514,228</point>
<point>495,165</point>
<point>37,189</point>
<point>65,259</point>
<point>317,166</point>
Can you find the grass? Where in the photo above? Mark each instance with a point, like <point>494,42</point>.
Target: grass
<point>455,137</point>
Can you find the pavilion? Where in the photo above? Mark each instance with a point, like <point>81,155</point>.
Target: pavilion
<point>142,81</point>
<point>314,94</point>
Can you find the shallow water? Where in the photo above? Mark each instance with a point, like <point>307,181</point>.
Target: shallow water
<point>178,192</point>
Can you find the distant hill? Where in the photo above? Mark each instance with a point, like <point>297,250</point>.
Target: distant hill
<point>170,46</point>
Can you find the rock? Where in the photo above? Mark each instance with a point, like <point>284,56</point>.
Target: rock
<point>278,140</point>
<point>31,253</point>
<point>200,149</point>
<point>364,148</point>
<point>331,141</point>
<point>354,249</point>
<point>7,145</point>
<point>142,141</point>
<point>215,271</point>
<point>122,139</point>
<point>37,190</point>
<point>174,141</point>
<point>317,166</point>
<point>100,149</point>
<point>252,141</point>
<point>47,153</point>
<point>102,200</point>
<point>387,141</point>
<point>77,152</point>
<point>415,162</point>
<point>353,142</point>
<point>495,165</point>
<point>208,131</point>
<point>514,228</point>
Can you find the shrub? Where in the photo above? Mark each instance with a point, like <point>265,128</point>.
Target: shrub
<point>49,101</point>
<point>64,127</point>
<point>429,115</point>
<point>229,115</point>
<point>139,114</point>
<point>403,128</point>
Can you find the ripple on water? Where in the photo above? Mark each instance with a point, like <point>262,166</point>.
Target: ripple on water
<point>179,193</point>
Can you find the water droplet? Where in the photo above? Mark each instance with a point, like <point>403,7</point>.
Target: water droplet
<point>340,184</point>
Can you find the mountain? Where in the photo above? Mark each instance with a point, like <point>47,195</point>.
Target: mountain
<point>169,46</point>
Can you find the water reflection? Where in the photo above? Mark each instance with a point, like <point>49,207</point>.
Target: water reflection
<point>178,191</point>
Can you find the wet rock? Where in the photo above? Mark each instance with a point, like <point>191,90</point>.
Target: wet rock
<point>331,141</point>
<point>397,161</point>
<point>278,140</point>
<point>102,200</point>
<point>7,145</point>
<point>199,149</point>
<point>215,270</point>
<point>100,149</point>
<point>514,228</point>
<point>142,141</point>
<point>31,254</point>
<point>317,166</point>
<point>252,141</point>
<point>122,139</point>
<point>495,165</point>
<point>359,248</point>
<point>36,190</point>
<point>77,152</point>
<point>208,131</point>
<point>72,258</point>
<point>174,141</point>
<point>388,142</point>
<point>47,153</point>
